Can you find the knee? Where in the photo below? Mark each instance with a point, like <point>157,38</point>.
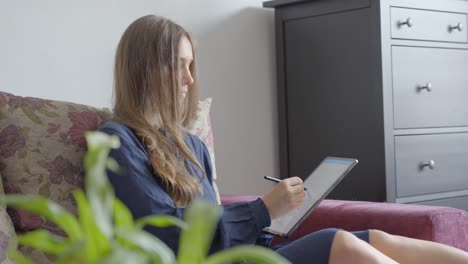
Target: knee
<point>379,238</point>
<point>344,239</point>
<point>347,248</point>
<point>344,244</point>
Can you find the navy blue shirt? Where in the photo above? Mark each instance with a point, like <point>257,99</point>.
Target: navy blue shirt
<point>142,192</point>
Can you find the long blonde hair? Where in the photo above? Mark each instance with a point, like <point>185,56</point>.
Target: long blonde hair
<point>147,76</point>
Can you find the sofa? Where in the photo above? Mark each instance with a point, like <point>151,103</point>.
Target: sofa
<point>41,151</point>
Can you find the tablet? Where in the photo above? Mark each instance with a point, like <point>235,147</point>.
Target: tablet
<point>319,184</point>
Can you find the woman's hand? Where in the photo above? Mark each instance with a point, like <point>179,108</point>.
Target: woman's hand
<point>287,195</point>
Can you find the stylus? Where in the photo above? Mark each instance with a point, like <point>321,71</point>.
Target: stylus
<point>276,180</point>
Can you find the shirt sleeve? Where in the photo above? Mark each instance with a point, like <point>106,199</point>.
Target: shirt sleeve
<point>243,222</point>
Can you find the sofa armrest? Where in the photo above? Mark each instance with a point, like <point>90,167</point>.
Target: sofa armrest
<point>230,199</point>
<point>440,224</point>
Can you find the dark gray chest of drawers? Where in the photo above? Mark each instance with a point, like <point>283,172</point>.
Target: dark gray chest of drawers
<point>385,82</point>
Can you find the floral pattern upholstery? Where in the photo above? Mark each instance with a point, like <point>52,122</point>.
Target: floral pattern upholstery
<point>41,150</point>
<point>6,230</point>
<point>42,147</point>
<point>201,127</point>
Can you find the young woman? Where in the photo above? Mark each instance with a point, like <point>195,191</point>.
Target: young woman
<point>156,94</point>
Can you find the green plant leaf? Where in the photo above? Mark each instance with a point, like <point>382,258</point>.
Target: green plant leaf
<point>156,250</point>
<point>101,141</point>
<point>96,243</point>
<point>98,189</point>
<point>249,254</point>
<point>43,240</point>
<point>18,257</point>
<point>112,165</point>
<point>122,216</point>
<point>125,255</point>
<point>14,254</point>
<point>160,221</point>
<point>73,254</point>
<point>49,209</point>
<point>202,218</point>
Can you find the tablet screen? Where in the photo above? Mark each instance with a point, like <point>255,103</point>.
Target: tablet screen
<point>319,183</point>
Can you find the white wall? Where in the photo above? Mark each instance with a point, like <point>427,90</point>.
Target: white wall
<point>61,49</point>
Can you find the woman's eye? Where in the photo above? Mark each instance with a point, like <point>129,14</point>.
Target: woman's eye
<point>185,63</point>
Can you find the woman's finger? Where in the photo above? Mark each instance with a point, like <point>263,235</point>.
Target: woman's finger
<point>293,181</point>
<point>297,188</point>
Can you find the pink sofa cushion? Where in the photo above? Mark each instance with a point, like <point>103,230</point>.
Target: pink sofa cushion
<point>441,224</point>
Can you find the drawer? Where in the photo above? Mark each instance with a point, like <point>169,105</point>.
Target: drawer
<point>445,102</point>
<point>457,202</point>
<point>417,175</point>
<point>418,24</point>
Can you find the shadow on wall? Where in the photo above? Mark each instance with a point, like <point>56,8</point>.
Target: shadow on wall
<point>237,68</point>
<point>239,48</point>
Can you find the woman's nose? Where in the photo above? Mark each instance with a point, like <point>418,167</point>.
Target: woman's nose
<point>188,79</point>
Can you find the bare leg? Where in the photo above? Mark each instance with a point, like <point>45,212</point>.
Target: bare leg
<point>347,248</point>
<point>408,250</point>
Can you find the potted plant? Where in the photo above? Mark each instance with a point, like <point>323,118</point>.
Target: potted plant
<point>105,232</point>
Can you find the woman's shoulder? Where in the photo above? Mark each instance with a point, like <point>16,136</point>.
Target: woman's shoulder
<point>194,140</point>
<point>191,137</point>
<point>113,127</point>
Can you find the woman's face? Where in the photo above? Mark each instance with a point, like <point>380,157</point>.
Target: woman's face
<point>186,59</point>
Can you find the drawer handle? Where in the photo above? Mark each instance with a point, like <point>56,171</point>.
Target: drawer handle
<point>408,22</point>
<point>459,26</point>
<point>427,87</point>
<point>430,164</point>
